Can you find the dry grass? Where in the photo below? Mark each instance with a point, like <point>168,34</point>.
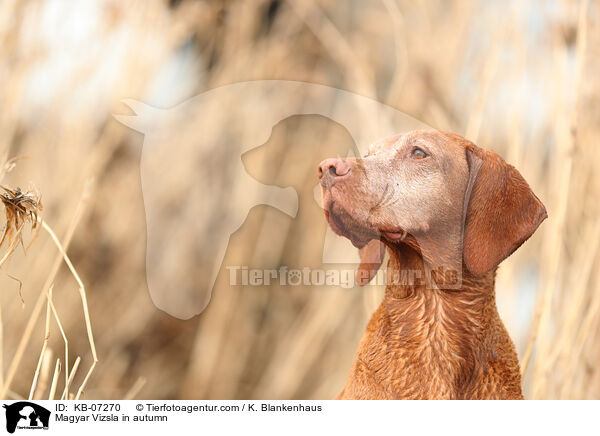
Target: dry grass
<point>517,77</point>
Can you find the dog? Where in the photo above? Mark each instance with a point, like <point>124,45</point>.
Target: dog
<point>436,201</point>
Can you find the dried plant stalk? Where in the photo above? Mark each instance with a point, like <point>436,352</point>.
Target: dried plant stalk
<point>54,380</point>
<point>135,389</point>
<point>65,394</point>
<point>26,336</point>
<point>43,352</point>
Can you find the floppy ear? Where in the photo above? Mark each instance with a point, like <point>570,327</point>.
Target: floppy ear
<point>501,211</point>
<point>371,256</point>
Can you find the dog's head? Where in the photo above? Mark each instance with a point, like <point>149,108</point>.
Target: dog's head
<point>434,191</point>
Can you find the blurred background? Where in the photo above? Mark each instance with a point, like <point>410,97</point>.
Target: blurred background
<point>520,78</point>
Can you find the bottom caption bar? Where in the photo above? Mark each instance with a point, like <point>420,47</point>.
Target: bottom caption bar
<point>296,417</point>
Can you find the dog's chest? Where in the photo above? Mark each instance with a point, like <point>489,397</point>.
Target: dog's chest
<point>421,349</point>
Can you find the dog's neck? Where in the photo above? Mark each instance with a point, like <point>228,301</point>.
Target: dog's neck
<point>448,330</point>
<point>409,276</point>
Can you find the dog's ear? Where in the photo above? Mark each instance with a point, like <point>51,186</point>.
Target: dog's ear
<point>371,257</point>
<point>501,211</point>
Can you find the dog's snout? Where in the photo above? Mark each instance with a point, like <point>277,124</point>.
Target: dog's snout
<point>330,169</point>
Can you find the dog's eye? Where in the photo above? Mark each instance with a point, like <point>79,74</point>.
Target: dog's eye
<point>417,153</point>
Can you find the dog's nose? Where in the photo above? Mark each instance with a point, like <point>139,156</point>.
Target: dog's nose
<point>332,168</point>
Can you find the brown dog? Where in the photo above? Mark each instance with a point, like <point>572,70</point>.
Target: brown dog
<point>441,205</point>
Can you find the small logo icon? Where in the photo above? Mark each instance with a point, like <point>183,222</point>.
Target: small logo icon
<point>26,415</point>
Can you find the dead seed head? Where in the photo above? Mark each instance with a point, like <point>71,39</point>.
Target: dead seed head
<point>21,208</point>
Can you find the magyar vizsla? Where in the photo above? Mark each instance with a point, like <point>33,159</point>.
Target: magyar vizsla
<point>448,213</point>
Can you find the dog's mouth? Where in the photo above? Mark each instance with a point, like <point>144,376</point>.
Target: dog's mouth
<point>396,235</point>
<point>343,224</point>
